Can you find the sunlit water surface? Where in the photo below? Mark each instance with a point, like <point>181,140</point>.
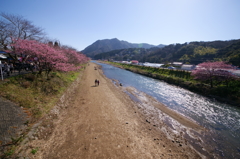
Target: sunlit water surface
<point>222,120</point>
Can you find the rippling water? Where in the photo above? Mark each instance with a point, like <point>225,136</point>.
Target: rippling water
<point>222,120</point>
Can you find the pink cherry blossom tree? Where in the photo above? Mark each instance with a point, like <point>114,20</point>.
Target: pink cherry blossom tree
<point>48,57</point>
<point>210,71</point>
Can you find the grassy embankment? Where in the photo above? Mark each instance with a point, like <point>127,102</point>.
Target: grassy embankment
<point>37,94</point>
<point>225,92</point>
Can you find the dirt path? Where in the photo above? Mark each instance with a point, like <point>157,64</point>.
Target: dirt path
<point>102,122</point>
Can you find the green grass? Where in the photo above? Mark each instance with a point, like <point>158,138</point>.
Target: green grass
<point>37,94</point>
<point>34,151</point>
<point>10,152</point>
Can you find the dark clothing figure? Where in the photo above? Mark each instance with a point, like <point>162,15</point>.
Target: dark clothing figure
<point>7,68</point>
<point>96,82</point>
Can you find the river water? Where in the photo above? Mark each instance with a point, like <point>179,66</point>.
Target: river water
<point>222,140</point>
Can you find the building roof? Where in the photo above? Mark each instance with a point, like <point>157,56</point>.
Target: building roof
<point>152,64</point>
<point>177,63</point>
<point>3,56</point>
<point>134,61</point>
<point>188,65</point>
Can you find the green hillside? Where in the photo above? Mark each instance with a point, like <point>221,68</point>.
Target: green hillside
<point>193,52</point>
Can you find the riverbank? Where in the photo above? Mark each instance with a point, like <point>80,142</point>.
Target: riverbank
<point>221,94</point>
<point>103,121</point>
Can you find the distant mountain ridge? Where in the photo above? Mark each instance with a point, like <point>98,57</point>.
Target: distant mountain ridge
<point>107,45</point>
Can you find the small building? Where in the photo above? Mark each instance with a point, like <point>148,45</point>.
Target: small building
<point>188,67</point>
<point>126,62</point>
<point>134,62</point>
<point>152,64</point>
<point>177,63</point>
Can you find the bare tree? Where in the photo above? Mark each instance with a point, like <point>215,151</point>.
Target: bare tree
<point>4,34</point>
<point>13,26</point>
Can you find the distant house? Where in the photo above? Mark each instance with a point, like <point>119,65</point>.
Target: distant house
<point>126,62</point>
<point>152,64</point>
<point>177,63</point>
<point>134,62</point>
<point>188,67</point>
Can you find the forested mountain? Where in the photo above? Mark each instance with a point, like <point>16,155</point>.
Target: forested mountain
<point>107,45</point>
<point>125,54</point>
<point>193,52</point>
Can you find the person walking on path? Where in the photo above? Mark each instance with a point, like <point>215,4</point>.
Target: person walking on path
<point>96,82</point>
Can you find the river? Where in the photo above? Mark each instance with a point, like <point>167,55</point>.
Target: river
<point>222,121</point>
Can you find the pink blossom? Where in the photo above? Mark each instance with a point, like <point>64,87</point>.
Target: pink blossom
<point>54,58</point>
<point>213,70</point>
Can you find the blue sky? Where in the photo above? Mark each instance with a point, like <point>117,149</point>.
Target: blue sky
<point>79,23</point>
